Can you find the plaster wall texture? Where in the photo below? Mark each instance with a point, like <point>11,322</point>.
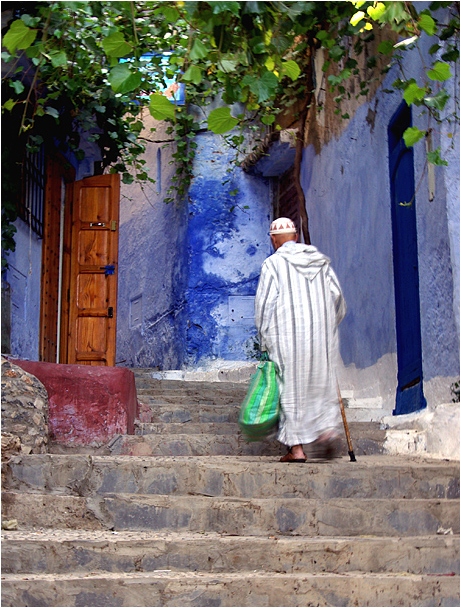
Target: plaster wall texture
<point>228,241</point>
<point>152,265</point>
<point>348,201</point>
<point>23,276</point>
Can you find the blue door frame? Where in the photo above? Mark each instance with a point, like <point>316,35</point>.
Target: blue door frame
<point>409,396</point>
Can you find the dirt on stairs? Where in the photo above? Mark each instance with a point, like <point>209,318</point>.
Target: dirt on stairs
<point>187,513</point>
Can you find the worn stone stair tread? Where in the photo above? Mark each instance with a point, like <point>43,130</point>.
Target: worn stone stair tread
<point>183,444</point>
<point>240,516</point>
<point>63,551</point>
<point>147,527</point>
<point>241,477</point>
<point>190,428</point>
<point>230,589</point>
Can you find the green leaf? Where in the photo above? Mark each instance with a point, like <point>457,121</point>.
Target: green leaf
<point>376,12</point>
<point>258,45</point>
<point>193,74</point>
<point>221,7</point>
<point>451,55</point>
<point>336,52</point>
<point>115,45</point>
<point>427,24</point>
<point>268,119</point>
<point>413,93</point>
<point>52,112</point>
<point>160,108</point>
<point>395,11</point>
<point>412,135</point>
<point>291,69</point>
<point>17,86</point>
<point>123,80</point>
<point>322,35</point>
<point>440,71</point>
<point>434,48</point>
<point>9,105</point>
<point>262,87</point>
<point>58,58</point>
<point>385,47</point>
<point>199,50</point>
<point>227,65</point>
<point>127,178</point>
<point>357,18</point>
<point>19,36</point>
<point>220,121</point>
<point>435,159</point>
<point>438,101</point>
<point>170,14</point>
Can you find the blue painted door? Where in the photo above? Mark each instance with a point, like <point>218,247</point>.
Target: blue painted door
<point>409,396</point>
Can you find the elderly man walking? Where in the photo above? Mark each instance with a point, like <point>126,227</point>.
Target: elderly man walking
<point>298,306</point>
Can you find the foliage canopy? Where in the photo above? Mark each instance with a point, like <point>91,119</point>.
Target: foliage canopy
<point>91,67</point>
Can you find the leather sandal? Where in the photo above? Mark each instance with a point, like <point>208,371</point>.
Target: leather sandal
<point>290,458</point>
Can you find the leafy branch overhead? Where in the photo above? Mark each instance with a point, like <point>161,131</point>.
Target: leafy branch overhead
<point>94,66</point>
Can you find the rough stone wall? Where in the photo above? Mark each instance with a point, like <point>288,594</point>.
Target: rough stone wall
<point>152,263</point>
<point>324,123</point>
<point>24,412</point>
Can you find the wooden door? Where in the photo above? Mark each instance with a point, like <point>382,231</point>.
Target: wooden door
<point>59,177</point>
<point>91,307</point>
<point>287,204</point>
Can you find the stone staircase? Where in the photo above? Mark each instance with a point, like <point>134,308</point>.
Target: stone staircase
<point>187,513</point>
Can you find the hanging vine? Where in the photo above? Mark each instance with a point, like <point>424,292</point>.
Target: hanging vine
<point>90,68</point>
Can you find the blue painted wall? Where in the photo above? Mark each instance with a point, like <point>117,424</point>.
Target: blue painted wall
<point>153,265</point>
<point>348,202</point>
<point>227,243</point>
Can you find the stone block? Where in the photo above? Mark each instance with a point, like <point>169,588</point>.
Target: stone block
<point>87,405</point>
<point>24,411</point>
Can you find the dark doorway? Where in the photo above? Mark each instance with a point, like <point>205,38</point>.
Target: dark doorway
<point>409,397</point>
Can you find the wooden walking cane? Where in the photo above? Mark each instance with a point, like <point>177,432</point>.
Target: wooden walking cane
<point>346,427</point>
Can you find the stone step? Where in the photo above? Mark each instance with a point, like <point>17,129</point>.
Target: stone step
<point>244,477</point>
<point>170,391</point>
<point>212,444</point>
<point>230,589</point>
<point>185,444</point>
<point>368,438</point>
<point>189,428</point>
<point>72,551</point>
<point>177,413</point>
<point>235,516</point>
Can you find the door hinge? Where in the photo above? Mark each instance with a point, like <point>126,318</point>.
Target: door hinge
<point>110,312</point>
<point>113,225</point>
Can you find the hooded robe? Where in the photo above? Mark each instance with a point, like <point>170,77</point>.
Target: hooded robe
<point>298,306</point>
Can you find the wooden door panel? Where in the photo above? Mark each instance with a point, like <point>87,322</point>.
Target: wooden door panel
<point>93,247</point>
<point>93,271</point>
<point>91,340</point>
<point>92,292</point>
<point>59,175</point>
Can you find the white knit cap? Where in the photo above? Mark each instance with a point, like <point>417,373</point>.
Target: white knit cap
<point>283,225</point>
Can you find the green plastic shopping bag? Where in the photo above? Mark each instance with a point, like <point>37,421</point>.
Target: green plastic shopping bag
<point>259,412</point>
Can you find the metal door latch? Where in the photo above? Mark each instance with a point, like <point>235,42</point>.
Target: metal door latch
<point>109,269</point>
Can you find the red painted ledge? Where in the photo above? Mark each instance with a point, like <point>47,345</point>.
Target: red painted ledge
<point>86,404</point>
